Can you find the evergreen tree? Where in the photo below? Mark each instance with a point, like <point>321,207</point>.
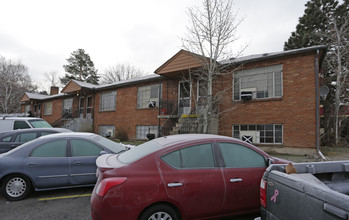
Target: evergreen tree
<point>316,27</point>
<point>80,67</point>
<point>311,24</point>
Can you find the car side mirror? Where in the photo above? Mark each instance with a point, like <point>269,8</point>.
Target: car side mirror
<point>270,161</point>
<point>102,153</point>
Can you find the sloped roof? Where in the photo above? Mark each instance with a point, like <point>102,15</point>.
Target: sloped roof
<point>150,77</point>
<point>264,56</point>
<point>75,85</point>
<point>182,60</point>
<point>35,96</point>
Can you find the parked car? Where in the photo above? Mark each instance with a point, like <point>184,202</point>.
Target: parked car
<point>12,139</point>
<point>14,123</point>
<point>188,176</point>
<point>53,161</point>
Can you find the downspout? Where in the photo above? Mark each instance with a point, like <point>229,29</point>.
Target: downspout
<point>317,106</point>
<point>93,111</point>
<point>159,125</point>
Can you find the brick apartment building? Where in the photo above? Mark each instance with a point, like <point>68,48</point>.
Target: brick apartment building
<point>280,109</point>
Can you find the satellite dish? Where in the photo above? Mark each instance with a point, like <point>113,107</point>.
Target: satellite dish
<point>324,90</point>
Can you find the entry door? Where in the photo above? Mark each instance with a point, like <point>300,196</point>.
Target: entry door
<point>89,107</point>
<point>81,107</point>
<point>184,98</point>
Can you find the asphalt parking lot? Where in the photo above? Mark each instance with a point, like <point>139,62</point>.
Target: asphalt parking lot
<point>67,204</point>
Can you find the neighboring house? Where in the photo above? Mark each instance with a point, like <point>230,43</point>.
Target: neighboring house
<point>280,111</point>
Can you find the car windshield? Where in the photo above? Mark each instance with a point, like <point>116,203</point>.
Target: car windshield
<point>111,145</point>
<point>40,124</point>
<point>139,152</point>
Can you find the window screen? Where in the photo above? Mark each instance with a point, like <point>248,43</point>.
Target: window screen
<point>108,101</point>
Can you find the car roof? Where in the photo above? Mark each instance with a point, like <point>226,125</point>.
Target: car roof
<point>185,138</point>
<point>20,118</point>
<point>34,129</point>
<point>69,134</point>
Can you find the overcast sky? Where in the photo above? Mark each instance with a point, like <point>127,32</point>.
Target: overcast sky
<point>145,33</point>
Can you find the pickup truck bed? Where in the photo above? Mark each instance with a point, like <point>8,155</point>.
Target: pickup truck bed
<point>316,191</point>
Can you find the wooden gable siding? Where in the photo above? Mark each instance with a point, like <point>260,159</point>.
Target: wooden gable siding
<point>183,60</point>
<point>25,98</point>
<point>71,87</point>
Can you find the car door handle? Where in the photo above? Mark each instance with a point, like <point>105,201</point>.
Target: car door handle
<point>76,163</point>
<point>174,184</point>
<point>31,164</point>
<point>235,180</point>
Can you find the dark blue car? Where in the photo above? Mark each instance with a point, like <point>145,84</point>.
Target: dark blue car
<point>12,139</point>
<point>51,162</point>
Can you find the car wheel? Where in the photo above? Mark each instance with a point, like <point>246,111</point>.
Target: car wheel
<point>16,187</point>
<point>159,212</point>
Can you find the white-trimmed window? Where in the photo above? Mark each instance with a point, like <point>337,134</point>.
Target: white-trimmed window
<point>259,133</point>
<point>262,83</point>
<point>108,101</point>
<point>26,108</point>
<point>48,108</point>
<point>147,94</point>
<point>67,106</point>
<point>143,130</point>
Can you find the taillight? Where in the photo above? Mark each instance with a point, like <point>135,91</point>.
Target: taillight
<point>263,193</point>
<point>107,183</point>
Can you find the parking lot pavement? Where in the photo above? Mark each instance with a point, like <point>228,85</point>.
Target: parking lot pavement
<point>70,204</point>
<point>67,204</point>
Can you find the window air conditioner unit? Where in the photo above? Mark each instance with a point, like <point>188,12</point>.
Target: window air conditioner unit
<point>248,94</point>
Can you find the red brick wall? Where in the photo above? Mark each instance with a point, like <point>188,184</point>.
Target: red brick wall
<point>296,110</point>
<point>126,116</point>
<point>56,110</point>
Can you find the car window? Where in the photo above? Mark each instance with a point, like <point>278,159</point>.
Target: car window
<point>40,124</point>
<point>84,148</point>
<point>198,156</point>
<point>239,156</point>
<point>51,149</point>
<point>111,145</point>
<point>173,159</point>
<point>6,139</point>
<point>20,125</point>
<point>25,137</point>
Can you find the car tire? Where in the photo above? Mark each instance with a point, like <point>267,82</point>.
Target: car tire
<point>157,212</point>
<point>16,187</point>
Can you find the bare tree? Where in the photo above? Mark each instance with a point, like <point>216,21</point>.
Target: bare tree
<point>52,78</point>
<point>14,81</point>
<point>212,31</point>
<point>338,62</point>
<point>121,72</point>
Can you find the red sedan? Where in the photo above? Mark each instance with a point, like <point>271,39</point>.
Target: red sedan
<point>180,177</point>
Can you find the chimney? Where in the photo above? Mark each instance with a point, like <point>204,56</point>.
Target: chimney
<point>54,90</point>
